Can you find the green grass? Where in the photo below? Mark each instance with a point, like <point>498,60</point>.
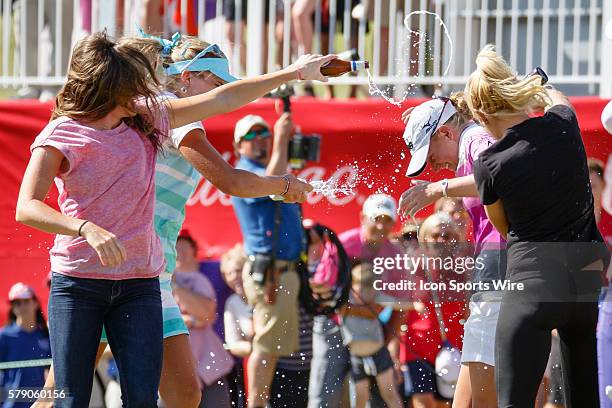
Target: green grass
<point>7,92</point>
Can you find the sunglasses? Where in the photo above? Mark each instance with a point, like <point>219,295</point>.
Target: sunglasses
<point>18,302</point>
<point>252,134</point>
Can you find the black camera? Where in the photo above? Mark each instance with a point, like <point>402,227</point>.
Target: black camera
<point>303,148</point>
<point>260,267</point>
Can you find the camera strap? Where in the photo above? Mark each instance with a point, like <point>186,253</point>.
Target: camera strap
<point>275,233</point>
<point>437,305</point>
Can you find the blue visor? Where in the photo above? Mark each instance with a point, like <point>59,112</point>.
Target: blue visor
<point>217,66</point>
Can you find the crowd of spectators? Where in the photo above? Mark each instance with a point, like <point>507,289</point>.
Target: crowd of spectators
<point>388,345</point>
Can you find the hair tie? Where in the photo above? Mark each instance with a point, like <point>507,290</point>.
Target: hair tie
<point>168,45</point>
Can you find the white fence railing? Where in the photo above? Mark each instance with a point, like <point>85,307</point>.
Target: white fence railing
<point>565,37</point>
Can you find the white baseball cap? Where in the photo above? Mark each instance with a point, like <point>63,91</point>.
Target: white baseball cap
<point>20,291</point>
<point>380,204</point>
<point>448,365</point>
<point>424,121</point>
<point>245,124</point>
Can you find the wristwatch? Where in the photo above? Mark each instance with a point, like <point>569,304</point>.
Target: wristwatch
<point>444,187</point>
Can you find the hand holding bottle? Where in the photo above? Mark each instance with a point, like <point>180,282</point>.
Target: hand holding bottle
<point>308,66</point>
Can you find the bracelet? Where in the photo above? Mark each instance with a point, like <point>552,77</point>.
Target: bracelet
<point>81,227</point>
<point>288,180</point>
<point>445,187</point>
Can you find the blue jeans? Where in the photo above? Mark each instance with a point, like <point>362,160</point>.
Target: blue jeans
<point>330,364</point>
<point>132,314</point>
<point>604,345</point>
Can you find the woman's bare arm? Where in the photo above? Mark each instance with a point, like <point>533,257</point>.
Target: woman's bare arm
<point>231,96</point>
<point>44,165</point>
<point>497,215</point>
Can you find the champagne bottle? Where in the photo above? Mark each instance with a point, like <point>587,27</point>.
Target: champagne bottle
<point>337,67</point>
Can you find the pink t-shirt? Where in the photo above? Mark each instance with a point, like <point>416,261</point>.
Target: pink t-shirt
<point>475,140</point>
<point>110,182</point>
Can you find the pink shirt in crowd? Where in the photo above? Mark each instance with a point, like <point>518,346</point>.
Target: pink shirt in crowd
<point>355,246</point>
<point>213,361</point>
<point>475,140</point>
<point>110,182</point>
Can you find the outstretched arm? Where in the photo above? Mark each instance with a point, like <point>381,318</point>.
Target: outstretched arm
<point>45,163</point>
<point>423,193</point>
<point>231,96</point>
<point>198,151</point>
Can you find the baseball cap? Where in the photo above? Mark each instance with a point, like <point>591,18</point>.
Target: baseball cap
<point>380,204</point>
<point>245,124</point>
<point>20,291</point>
<point>184,233</point>
<point>448,365</point>
<point>424,121</point>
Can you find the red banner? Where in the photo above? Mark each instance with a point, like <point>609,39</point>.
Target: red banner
<point>360,138</point>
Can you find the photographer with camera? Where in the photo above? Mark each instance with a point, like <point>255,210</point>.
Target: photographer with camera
<point>273,241</point>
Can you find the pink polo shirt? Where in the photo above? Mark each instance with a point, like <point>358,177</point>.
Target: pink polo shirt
<point>110,182</point>
<point>475,140</point>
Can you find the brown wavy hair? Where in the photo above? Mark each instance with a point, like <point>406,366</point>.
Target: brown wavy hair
<point>104,74</point>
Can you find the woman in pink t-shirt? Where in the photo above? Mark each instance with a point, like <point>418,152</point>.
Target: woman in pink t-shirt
<point>100,149</point>
<point>442,132</point>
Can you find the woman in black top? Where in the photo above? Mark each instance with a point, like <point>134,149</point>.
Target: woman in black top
<point>534,183</point>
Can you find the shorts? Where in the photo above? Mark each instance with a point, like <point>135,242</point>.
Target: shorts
<point>171,314</point>
<point>479,329</point>
<point>422,379</point>
<point>275,325</point>
<point>371,366</point>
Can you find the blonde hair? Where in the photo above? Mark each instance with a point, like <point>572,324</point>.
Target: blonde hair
<point>187,48</point>
<point>442,201</point>
<point>235,254</point>
<point>463,115</point>
<point>494,90</point>
<point>438,219</point>
<point>363,274</point>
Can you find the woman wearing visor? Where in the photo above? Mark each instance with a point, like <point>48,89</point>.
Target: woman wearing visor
<point>192,67</point>
<point>442,132</point>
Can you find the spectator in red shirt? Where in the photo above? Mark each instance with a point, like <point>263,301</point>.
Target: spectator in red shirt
<point>420,338</point>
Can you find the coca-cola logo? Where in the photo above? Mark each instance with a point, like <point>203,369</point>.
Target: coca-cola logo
<point>206,194</point>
